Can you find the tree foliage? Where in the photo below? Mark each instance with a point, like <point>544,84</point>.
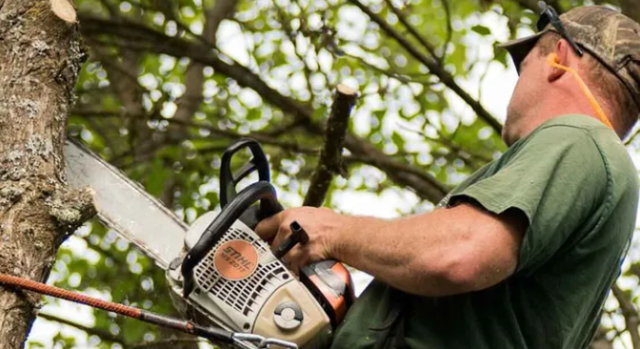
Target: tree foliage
<point>170,84</point>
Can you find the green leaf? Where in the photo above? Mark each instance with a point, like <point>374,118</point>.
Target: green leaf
<point>482,30</point>
<point>398,140</point>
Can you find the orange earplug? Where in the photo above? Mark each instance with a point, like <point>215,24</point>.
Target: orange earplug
<point>554,61</point>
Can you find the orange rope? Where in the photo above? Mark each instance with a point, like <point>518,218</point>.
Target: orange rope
<point>68,295</point>
<point>211,333</point>
<point>552,59</point>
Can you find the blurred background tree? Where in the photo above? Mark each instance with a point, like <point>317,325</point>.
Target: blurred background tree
<point>170,84</point>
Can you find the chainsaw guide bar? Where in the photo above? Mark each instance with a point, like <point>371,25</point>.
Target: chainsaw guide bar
<point>125,206</point>
<point>140,219</point>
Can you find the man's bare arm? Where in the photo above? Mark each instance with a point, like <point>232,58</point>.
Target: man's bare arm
<point>449,251</point>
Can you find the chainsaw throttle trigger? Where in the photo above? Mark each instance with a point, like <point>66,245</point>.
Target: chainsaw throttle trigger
<point>298,235</point>
<point>269,206</point>
<point>229,180</point>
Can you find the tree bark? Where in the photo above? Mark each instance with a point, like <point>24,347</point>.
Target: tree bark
<point>40,57</point>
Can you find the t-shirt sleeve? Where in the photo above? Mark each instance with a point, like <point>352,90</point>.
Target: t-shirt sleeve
<point>557,179</point>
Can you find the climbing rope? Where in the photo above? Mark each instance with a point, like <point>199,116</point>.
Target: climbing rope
<point>121,309</point>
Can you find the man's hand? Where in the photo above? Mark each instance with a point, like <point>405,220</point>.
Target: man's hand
<point>322,226</point>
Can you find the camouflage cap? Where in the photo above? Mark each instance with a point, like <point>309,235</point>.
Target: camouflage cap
<point>611,37</point>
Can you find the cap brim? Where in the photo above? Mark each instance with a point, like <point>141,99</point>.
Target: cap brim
<point>520,48</point>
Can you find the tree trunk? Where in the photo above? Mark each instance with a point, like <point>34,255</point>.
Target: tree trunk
<point>40,57</point>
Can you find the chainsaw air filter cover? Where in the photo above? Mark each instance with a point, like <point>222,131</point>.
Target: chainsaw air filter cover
<point>243,287</point>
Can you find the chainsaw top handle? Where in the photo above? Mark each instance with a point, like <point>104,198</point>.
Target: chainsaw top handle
<point>229,180</point>
<point>269,206</point>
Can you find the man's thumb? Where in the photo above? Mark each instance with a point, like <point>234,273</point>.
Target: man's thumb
<point>268,227</point>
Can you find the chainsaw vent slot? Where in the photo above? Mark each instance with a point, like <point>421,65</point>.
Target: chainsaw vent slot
<point>248,295</point>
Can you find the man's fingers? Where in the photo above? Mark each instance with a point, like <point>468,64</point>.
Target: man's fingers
<point>268,227</point>
<point>297,258</point>
<point>283,232</point>
<point>291,266</point>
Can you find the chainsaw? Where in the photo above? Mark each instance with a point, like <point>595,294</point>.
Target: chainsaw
<point>219,267</point>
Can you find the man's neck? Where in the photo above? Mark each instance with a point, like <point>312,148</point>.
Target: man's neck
<point>550,110</point>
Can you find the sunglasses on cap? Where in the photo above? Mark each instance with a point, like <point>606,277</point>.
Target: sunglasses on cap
<point>550,16</point>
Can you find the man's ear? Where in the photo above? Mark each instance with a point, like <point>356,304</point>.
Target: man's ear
<point>561,57</point>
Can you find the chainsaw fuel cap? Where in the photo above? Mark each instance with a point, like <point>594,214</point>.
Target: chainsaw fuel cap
<point>288,316</point>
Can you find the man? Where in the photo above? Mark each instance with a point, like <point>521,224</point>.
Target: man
<point>523,253</point>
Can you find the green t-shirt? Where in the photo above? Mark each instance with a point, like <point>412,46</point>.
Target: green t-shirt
<point>578,187</point>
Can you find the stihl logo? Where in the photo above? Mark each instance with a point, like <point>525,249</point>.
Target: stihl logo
<point>236,260</point>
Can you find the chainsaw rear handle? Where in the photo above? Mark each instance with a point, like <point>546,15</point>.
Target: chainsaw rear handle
<point>229,180</point>
<point>269,206</point>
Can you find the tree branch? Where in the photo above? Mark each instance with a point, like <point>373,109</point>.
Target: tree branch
<point>194,77</point>
<point>109,337</point>
<point>600,340</point>
<point>222,10</point>
<point>447,11</point>
<point>330,162</point>
<point>398,76</point>
<point>632,137</point>
<point>192,99</point>
<point>419,180</point>
<point>465,155</point>
<point>433,66</point>
<point>256,135</point>
<point>403,19</point>
<point>532,5</point>
<point>630,315</point>
<point>104,335</point>
<point>147,39</point>
<point>264,138</point>
<point>166,343</point>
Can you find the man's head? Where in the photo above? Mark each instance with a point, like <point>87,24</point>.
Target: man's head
<point>606,54</point>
